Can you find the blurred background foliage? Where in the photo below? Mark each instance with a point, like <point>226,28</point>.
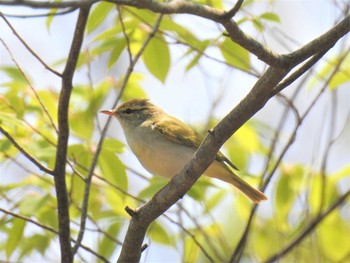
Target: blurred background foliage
<point>207,225</point>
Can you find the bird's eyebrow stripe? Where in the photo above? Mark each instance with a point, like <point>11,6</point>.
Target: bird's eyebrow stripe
<point>139,109</point>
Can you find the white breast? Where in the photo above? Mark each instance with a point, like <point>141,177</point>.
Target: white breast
<point>158,155</point>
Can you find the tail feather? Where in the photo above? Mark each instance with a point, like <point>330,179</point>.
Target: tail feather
<point>253,194</point>
<point>225,174</point>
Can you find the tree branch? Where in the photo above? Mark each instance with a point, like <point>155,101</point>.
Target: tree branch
<point>50,229</point>
<point>28,47</point>
<point>232,12</point>
<point>312,225</point>
<point>63,127</point>
<point>25,153</point>
<point>324,42</point>
<point>49,4</point>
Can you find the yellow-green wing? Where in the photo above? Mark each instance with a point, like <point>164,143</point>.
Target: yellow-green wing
<point>179,132</point>
<point>221,157</point>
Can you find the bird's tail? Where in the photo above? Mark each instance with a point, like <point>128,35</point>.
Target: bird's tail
<point>253,194</point>
<point>225,174</point>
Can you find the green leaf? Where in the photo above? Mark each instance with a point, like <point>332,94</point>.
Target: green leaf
<point>341,173</point>
<point>4,145</point>
<point>333,235</point>
<point>181,33</point>
<point>284,198</point>
<point>107,34</point>
<point>37,242</point>
<point>340,77</point>
<point>157,57</point>
<point>98,95</point>
<point>50,18</point>
<point>115,201</point>
<point>134,88</point>
<point>79,153</point>
<point>159,234</point>
<point>119,46</point>
<point>32,203</point>
<point>199,189</point>
<point>243,144</point>
<point>106,246</point>
<point>98,15</point>
<point>113,168</point>
<point>248,138</point>
<point>289,186</point>
<point>201,48</point>
<point>214,200</point>
<point>257,24</point>
<point>271,17</point>
<point>15,74</point>
<point>15,237</point>
<point>156,183</point>
<point>191,251</point>
<point>113,145</point>
<point>235,55</point>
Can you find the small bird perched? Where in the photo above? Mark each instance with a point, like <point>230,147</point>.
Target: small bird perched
<point>164,144</point>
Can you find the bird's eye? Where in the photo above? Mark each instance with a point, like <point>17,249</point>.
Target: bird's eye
<point>128,111</point>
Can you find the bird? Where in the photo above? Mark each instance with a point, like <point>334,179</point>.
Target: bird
<point>164,145</point>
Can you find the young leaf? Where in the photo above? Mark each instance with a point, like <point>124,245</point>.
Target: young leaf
<point>119,46</point>
<point>98,15</point>
<point>159,234</point>
<point>273,17</point>
<point>106,246</point>
<point>235,55</point>
<point>157,58</point>
<point>15,237</point>
<point>113,169</point>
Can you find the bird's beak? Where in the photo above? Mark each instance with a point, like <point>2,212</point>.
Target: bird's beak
<point>108,112</point>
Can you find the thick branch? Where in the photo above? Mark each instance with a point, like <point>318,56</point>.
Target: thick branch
<point>324,42</point>
<point>63,127</point>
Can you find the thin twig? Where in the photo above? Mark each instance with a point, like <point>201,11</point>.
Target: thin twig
<point>232,12</point>
<point>192,236</point>
<point>50,229</point>
<point>299,72</point>
<point>128,48</point>
<point>28,47</point>
<point>31,87</point>
<point>59,13</point>
<point>26,154</point>
<point>8,104</point>
<point>308,229</point>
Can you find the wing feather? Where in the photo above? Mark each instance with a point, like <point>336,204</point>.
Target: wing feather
<point>181,133</point>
